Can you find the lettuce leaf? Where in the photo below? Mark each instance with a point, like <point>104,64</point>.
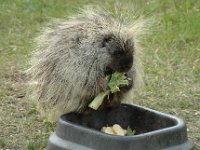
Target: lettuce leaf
<point>115,81</point>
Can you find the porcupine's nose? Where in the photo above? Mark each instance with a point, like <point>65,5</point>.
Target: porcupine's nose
<point>121,63</point>
<point>125,63</point>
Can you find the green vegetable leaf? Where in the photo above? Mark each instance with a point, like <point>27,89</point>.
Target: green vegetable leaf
<point>108,77</point>
<point>117,80</point>
<point>130,131</point>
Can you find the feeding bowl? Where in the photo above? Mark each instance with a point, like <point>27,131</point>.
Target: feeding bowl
<point>154,130</point>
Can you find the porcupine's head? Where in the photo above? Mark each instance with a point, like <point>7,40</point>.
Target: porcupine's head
<point>109,43</point>
<point>119,53</point>
<point>115,47</point>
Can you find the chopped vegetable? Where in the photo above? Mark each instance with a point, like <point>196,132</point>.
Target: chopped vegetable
<point>98,100</point>
<point>129,131</point>
<point>107,130</point>
<point>118,130</point>
<point>115,81</point>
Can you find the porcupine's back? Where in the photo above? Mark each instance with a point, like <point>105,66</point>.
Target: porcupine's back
<point>66,61</point>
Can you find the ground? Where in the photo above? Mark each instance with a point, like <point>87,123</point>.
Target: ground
<point>171,63</point>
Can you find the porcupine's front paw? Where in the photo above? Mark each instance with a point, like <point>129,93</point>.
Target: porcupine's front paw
<point>130,76</point>
<point>102,83</point>
<point>116,98</point>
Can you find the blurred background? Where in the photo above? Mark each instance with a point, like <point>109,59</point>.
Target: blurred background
<point>171,62</point>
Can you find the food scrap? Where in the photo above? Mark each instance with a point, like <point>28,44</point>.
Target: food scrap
<point>118,130</point>
<point>115,81</point>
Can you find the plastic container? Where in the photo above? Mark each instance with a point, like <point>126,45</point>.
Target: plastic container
<point>154,130</point>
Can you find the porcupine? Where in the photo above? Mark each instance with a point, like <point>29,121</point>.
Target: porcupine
<point>73,56</point>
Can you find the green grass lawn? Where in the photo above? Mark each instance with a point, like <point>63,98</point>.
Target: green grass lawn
<point>171,63</point>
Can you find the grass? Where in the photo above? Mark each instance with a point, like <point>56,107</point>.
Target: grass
<point>171,63</point>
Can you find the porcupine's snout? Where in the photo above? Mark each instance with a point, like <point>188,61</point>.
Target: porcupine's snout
<point>122,62</point>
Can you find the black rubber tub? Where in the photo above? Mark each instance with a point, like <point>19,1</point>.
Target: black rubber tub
<point>154,130</point>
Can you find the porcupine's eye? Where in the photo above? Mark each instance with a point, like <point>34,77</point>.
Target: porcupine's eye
<point>106,40</point>
<point>112,44</point>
